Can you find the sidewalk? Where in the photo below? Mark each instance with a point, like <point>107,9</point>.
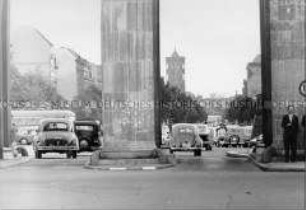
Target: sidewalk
<point>10,161</point>
<point>7,163</point>
<point>270,167</point>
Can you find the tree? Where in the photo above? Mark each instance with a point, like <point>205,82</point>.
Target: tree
<point>31,87</point>
<point>90,97</point>
<point>178,107</point>
<point>242,109</point>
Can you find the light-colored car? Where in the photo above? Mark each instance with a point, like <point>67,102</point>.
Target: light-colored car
<point>56,135</point>
<point>185,137</point>
<point>257,141</point>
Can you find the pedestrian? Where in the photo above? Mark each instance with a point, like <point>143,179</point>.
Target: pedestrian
<point>290,125</point>
<point>13,133</point>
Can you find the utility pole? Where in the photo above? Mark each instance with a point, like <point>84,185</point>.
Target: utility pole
<point>4,75</point>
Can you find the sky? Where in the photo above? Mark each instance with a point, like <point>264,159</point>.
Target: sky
<point>217,37</point>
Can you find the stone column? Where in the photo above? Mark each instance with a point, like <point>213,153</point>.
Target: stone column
<point>130,60</point>
<point>4,76</point>
<point>284,56</point>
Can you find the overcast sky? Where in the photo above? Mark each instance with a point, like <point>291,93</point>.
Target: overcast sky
<point>217,37</point>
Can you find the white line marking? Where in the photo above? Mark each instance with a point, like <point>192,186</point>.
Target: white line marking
<point>118,169</point>
<point>149,168</point>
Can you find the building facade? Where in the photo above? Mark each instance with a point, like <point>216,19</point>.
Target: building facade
<point>31,52</point>
<point>74,74</point>
<point>65,70</point>
<point>176,71</point>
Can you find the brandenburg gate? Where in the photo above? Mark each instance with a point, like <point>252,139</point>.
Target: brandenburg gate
<point>131,59</point>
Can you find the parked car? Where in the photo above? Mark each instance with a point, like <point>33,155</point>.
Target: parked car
<point>239,135</point>
<point>246,135</point>
<point>56,135</point>
<point>25,136</point>
<point>89,134</point>
<point>206,136</point>
<point>185,137</point>
<point>257,141</point>
<point>222,137</point>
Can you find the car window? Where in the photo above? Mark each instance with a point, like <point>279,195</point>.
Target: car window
<point>56,126</point>
<point>84,128</point>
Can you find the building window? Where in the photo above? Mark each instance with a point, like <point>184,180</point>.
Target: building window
<point>88,74</point>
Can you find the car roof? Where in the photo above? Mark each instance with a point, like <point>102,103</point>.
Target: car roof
<point>43,121</point>
<point>184,124</point>
<point>86,122</point>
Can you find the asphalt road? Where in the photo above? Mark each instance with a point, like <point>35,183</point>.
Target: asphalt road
<point>216,182</point>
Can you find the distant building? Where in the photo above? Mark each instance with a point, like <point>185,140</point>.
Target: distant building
<point>65,70</point>
<point>252,85</point>
<point>74,74</point>
<point>31,52</point>
<point>176,71</point>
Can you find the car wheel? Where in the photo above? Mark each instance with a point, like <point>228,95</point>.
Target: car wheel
<point>68,155</point>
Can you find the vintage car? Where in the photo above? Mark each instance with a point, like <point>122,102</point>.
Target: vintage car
<point>222,138</point>
<point>239,135</point>
<point>234,133</point>
<point>206,136</point>
<point>185,137</point>
<point>257,141</point>
<point>89,134</point>
<point>56,135</point>
<point>25,135</point>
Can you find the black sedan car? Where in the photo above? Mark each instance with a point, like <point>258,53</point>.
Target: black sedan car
<point>89,134</point>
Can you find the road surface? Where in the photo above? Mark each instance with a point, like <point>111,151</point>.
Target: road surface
<point>216,183</point>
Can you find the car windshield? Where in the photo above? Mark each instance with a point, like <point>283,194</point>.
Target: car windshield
<point>84,128</point>
<point>202,128</point>
<point>56,126</point>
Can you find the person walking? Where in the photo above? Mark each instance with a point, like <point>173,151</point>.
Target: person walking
<point>290,125</point>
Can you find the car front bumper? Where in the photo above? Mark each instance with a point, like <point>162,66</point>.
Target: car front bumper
<point>57,148</point>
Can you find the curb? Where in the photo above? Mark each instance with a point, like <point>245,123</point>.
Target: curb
<point>267,168</point>
<point>15,163</point>
<point>142,168</point>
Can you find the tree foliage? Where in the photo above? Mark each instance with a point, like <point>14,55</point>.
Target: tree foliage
<point>178,107</point>
<point>90,98</point>
<point>242,109</point>
<point>31,87</point>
